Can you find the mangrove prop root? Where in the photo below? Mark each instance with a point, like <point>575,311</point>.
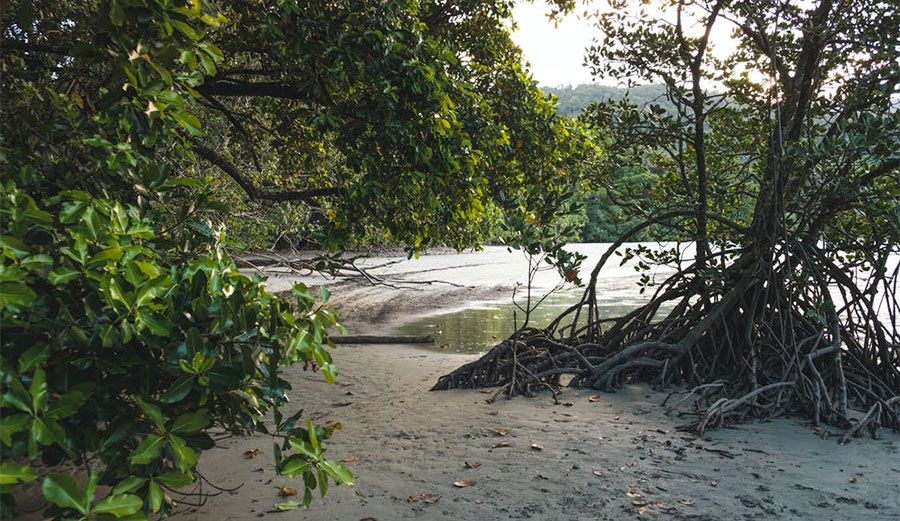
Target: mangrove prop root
<point>759,340</point>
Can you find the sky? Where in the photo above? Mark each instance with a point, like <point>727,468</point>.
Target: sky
<point>557,54</point>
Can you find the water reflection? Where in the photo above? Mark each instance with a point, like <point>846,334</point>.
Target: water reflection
<point>477,329</point>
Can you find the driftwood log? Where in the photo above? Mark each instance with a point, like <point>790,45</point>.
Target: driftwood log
<point>372,339</point>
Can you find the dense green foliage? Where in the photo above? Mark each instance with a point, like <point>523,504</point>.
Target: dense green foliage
<point>127,331</point>
<point>720,142</point>
<point>134,132</point>
<point>417,121</point>
<point>627,185</point>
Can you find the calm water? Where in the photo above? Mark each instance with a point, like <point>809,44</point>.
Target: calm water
<point>480,327</point>
<point>477,329</point>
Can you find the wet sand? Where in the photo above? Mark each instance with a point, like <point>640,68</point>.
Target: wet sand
<point>605,457</point>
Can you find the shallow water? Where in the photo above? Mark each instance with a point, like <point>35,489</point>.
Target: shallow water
<point>478,328</point>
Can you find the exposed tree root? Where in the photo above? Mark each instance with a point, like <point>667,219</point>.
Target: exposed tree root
<point>754,340</point>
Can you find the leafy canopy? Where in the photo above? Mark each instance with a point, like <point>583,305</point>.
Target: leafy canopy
<point>134,130</point>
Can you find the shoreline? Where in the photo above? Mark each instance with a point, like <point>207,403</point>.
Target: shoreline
<point>602,456</point>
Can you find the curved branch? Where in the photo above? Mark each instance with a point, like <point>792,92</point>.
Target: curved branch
<point>255,192</point>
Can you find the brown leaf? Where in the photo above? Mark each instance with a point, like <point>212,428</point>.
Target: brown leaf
<point>714,483</point>
<point>598,473</point>
<point>413,499</point>
<point>639,502</point>
<point>537,446</point>
<point>500,444</point>
<point>252,453</point>
<point>568,404</point>
<point>342,404</point>
<point>685,501</point>
<point>352,459</point>
<point>853,479</point>
<point>473,466</point>
<point>493,413</point>
<point>463,484</point>
<point>500,431</point>
<point>486,391</point>
<point>432,500</point>
<point>641,511</point>
<point>286,491</point>
<point>594,398</point>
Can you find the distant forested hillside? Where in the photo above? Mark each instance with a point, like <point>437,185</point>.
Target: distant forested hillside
<point>573,99</point>
<point>612,208</point>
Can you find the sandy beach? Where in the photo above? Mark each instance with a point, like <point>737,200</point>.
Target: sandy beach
<point>591,456</point>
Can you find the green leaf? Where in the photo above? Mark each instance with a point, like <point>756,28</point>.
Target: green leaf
<point>18,397</point>
<point>118,505</point>
<point>289,423</point>
<point>62,274</point>
<point>13,247</point>
<point>34,355</point>
<point>190,422</point>
<point>153,412</point>
<point>301,291</point>
<point>38,389</point>
<point>323,482</point>
<point>338,472</point>
<point>303,448</point>
<point>104,257</point>
<point>295,465</point>
<point>155,496</point>
<point>116,13</point>
<point>67,404</point>
<point>11,425</point>
<point>175,479</point>
<point>186,29</point>
<point>47,432</point>
<point>184,456</point>
<point>148,269</point>
<point>148,450</point>
<point>287,505</point>
<point>158,326</point>
<point>129,484</point>
<point>311,431</point>
<point>37,216</point>
<point>63,491</point>
<point>37,262</point>
<point>13,472</point>
<point>15,296</point>
<point>179,389</point>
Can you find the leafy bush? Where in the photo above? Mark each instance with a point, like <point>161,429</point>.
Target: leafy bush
<point>113,351</point>
<point>127,331</point>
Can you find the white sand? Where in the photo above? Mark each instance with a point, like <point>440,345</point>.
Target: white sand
<point>412,442</point>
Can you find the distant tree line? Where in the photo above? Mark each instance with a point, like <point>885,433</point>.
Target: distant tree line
<point>617,204</point>
<point>572,100</point>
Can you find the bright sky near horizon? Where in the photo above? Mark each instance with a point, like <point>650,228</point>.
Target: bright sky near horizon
<point>555,54</point>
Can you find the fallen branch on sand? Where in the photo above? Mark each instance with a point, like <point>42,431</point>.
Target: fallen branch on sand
<point>371,339</point>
